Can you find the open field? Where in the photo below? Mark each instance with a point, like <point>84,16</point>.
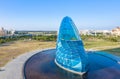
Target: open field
<point>11,50</point>
<point>103,45</point>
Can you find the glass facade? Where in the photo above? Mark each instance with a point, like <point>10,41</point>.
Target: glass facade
<point>70,52</point>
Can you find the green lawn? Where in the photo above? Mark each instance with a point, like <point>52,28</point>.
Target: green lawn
<point>103,45</point>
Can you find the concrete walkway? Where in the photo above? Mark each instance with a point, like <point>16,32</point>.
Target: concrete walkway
<point>14,69</point>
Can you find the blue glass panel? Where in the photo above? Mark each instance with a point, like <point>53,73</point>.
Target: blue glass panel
<point>70,50</point>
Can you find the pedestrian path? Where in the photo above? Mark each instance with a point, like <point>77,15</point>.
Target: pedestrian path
<point>14,69</point>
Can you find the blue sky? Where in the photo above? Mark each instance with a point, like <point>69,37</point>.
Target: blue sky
<point>47,14</point>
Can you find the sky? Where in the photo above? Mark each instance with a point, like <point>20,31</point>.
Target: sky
<point>47,14</point>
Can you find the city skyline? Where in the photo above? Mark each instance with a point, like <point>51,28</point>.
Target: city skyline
<point>47,14</point>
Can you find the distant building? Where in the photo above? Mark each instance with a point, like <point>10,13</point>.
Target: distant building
<point>95,32</point>
<point>3,32</point>
<point>86,32</point>
<point>11,32</point>
<point>116,31</point>
<point>102,32</point>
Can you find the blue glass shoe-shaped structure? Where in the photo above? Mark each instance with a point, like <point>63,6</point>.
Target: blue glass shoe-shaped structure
<point>70,53</point>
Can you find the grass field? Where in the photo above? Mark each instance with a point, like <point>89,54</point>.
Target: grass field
<point>11,50</point>
<point>103,45</point>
